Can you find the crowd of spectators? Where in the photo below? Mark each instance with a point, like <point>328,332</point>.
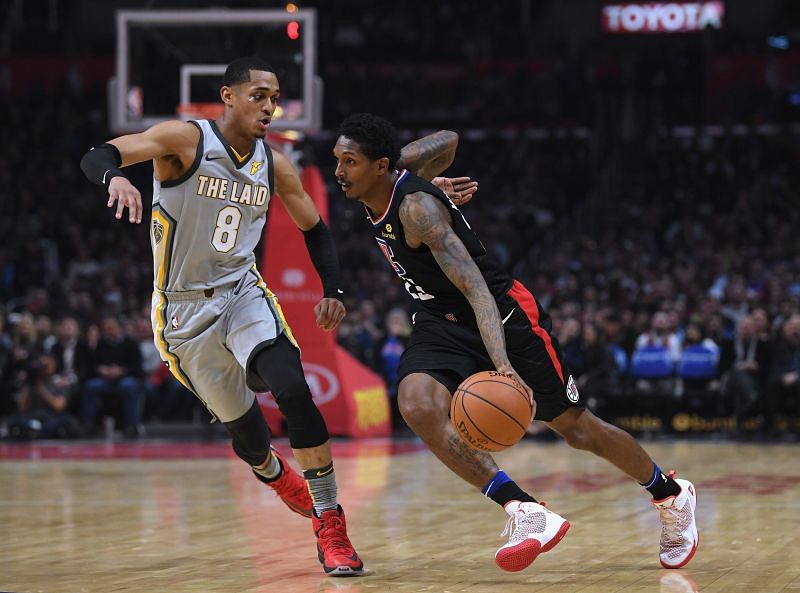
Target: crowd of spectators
<point>686,242</point>
<point>646,244</point>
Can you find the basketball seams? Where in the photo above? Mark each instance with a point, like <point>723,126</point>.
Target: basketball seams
<point>509,383</point>
<point>499,411</point>
<point>495,406</point>
<point>472,422</point>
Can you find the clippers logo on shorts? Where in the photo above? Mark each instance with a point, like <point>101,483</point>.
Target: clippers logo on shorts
<point>572,391</point>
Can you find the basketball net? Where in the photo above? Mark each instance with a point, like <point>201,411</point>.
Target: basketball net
<point>283,140</point>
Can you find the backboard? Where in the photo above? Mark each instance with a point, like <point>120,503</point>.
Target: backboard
<point>169,58</point>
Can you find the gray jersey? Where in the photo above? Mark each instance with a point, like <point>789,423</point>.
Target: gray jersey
<point>206,224</point>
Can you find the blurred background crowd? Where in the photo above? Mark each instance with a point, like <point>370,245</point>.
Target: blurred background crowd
<point>645,189</point>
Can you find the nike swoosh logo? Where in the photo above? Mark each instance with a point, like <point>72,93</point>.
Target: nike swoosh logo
<point>104,174</point>
<point>213,158</point>
<point>509,315</point>
<point>323,474</point>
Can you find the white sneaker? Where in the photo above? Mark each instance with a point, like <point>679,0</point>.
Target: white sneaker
<point>532,529</point>
<point>679,538</point>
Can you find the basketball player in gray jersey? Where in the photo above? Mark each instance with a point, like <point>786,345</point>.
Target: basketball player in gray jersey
<point>216,324</point>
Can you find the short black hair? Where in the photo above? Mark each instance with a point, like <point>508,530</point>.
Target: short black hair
<point>376,137</point>
<point>238,71</point>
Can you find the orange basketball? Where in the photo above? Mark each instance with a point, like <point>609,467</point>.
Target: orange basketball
<point>490,411</point>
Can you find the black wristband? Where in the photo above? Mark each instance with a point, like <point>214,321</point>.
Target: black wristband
<point>323,255</point>
<point>101,164</point>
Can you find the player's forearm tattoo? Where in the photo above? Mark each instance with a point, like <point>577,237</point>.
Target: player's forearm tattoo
<point>426,219</point>
<point>476,462</point>
<point>430,155</point>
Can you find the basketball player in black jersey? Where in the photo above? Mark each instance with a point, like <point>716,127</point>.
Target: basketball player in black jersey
<point>473,316</point>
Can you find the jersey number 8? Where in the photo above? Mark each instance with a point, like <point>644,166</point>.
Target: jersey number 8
<point>227,229</point>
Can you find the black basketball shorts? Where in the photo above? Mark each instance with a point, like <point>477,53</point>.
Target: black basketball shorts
<point>451,352</point>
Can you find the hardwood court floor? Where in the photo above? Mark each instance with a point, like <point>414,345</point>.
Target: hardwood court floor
<point>105,518</point>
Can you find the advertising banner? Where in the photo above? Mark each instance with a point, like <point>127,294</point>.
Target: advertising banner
<point>662,17</point>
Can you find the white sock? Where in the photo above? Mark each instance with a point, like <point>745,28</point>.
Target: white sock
<point>270,471</point>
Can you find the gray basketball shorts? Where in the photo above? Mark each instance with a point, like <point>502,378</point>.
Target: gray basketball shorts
<point>207,338</point>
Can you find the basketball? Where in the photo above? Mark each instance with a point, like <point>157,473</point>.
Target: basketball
<point>490,411</point>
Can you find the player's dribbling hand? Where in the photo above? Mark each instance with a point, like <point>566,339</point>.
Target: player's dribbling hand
<point>510,372</point>
<point>330,313</point>
<point>122,191</point>
<point>459,189</point>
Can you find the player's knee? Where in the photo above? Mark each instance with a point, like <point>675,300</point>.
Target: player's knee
<point>419,407</point>
<point>305,423</point>
<point>576,437</point>
<point>251,436</point>
<point>293,394</point>
<point>280,369</point>
<point>587,433</point>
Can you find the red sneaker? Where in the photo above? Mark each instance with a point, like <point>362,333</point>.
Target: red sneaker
<point>336,553</point>
<point>291,488</point>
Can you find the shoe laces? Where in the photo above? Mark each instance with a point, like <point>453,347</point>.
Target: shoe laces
<point>332,535</point>
<point>521,524</point>
<point>673,524</point>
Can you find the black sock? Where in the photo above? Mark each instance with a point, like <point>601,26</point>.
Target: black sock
<point>509,491</point>
<point>661,486</point>
<point>502,489</point>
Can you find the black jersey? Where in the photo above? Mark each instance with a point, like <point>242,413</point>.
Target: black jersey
<point>424,280</point>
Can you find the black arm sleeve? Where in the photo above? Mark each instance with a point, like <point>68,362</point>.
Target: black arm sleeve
<point>101,164</point>
<point>323,255</point>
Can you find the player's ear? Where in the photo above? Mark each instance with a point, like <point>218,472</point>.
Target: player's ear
<point>383,165</point>
<point>226,94</point>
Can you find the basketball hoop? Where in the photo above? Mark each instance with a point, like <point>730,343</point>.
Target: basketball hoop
<point>283,140</point>
<point>284,137</point>
<point>187,111</point>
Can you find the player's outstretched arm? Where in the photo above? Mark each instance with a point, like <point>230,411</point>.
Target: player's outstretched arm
<point>426,220</point>
<point>330,310</point>
<point>171,145</point>
<point>431,155</point>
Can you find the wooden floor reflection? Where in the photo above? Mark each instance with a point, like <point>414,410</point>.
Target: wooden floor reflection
<point>78,522</point>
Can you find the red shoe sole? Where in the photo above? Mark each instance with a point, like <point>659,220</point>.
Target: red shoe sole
<point>522,556</point>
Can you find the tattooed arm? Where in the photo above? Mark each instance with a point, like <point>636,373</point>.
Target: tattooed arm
<point>429,156</point>
<point>432,154</point>
<point>426,221</point>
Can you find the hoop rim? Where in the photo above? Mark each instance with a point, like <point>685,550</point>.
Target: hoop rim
<point>200,110</point>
